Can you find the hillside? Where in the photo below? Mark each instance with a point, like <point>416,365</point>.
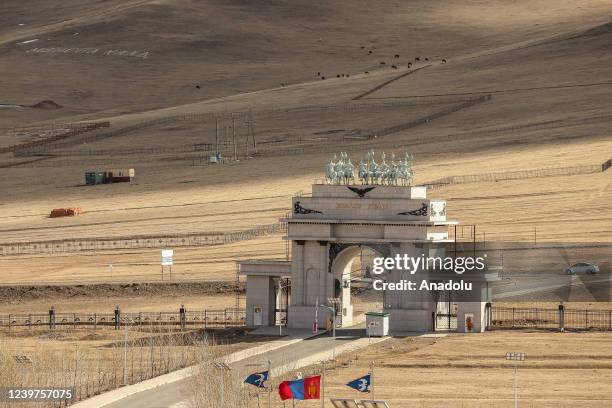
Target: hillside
<point>521,89</point>
<point>110,57</point>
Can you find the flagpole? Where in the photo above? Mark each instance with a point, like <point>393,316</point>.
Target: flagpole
<point>323,384</point>
<point>372,379</point>
<point>269,384</point>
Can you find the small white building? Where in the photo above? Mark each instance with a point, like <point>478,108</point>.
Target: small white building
<point>377,324</point>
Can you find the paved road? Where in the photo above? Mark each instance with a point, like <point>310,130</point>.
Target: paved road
<point>174,395</point>
<point>535,288</point>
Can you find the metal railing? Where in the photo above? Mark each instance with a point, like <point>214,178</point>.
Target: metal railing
<point>550,319</point>
<point>222,318</point>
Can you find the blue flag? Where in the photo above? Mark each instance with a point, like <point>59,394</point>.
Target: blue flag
<point>361,384</point>
<point>257,379</point>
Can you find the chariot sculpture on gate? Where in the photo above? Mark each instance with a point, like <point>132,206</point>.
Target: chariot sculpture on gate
<point>340,170</point>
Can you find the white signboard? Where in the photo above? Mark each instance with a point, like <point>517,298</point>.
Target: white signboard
<point>166,257</point>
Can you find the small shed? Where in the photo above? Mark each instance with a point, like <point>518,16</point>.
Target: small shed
<point>377,324</point>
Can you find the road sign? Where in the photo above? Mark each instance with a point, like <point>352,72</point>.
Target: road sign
<point>166,257</point>
<point>515,356</point>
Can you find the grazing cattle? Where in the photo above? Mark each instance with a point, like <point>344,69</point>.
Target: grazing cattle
<point>417,59</point>
<point>394,66</point>
<point>322,77</point>
<point>318,74</point>
<point>369,52</point>
<point>443,60</point>
<point>198,86</point>
<point>382,62</point>
<point>396,55</point>
<point>347,75</point>
<point>426,59</point>
<point>409,64</point>
<point>338,76</point>
<point>367,72</point>
<point>362,47</point>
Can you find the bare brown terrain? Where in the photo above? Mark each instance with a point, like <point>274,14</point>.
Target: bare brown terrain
<point>561,370</point>
<point>546,68</point>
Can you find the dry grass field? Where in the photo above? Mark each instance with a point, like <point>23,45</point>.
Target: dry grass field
<point>93,361</point>
<point>465,371</point>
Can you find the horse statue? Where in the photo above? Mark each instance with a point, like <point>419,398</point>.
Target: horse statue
<point>363,173</point>
<point>405,172</point>
<point>383,169</point>
<point>330,172</point>
<point>339,170</point>
<point>371,168</point>
<point>348,171</point>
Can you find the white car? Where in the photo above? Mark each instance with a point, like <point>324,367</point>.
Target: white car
<point>582,268</point>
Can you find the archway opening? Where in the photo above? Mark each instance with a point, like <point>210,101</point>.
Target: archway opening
<point>352,274</point>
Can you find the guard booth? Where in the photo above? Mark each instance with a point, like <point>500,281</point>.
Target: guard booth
<point>377,324</point>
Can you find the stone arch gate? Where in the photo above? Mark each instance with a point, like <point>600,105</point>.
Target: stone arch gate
<point>326,229</point>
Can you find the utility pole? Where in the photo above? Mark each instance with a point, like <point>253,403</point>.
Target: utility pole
<point>216,138</point>
<point>247,144</point>
<point>125,342</point>
<point>234,138</point>
<point>251,131</point>
<point>315,325</point>
<point>372,379</point>
<point>269,384</point>
<point>323,383</point>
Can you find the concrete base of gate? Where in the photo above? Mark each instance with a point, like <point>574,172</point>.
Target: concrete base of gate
<point>302,317</point>
<point>401,320</point>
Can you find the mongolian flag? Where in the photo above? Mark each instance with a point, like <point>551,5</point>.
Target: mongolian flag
<point>301,389</point>
<point>312,387</point>
<point>257,379</point>
<point>361,384</point>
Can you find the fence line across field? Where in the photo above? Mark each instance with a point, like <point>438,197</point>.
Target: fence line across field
<point>178,240</point>
<point>522,174</point>
<point>47,146</point>
<point>217,318</point>
<point>503,318</point>
<point>500,318</point>
<point>57,133</point>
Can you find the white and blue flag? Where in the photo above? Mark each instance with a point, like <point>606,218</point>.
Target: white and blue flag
<point>361,384</point>
<point>257,379</point>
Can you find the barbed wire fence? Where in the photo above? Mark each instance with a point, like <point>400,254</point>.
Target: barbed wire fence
<point>141,242</point>
<point>520,174</point>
